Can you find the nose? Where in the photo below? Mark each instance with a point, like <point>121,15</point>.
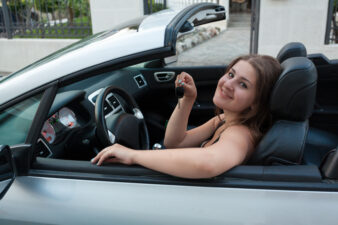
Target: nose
<point>229,84</point>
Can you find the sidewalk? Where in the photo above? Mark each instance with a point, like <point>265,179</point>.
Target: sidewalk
<point>220,50</point>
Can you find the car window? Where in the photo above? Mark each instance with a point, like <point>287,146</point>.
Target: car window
<point>16,120</point>
<point>211,44</point>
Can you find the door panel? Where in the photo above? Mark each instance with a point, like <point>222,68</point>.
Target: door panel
<point>160,102</point>
<point>42,200</point>
<point>325,115</point>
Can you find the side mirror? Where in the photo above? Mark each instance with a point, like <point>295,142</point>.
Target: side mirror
<point>208,16</point>
<point>7,169</point>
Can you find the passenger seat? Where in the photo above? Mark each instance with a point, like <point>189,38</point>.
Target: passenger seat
<point>318,142</point>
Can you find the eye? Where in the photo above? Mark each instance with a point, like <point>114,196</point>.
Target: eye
<point>243,85</point>
<point>231,75</point>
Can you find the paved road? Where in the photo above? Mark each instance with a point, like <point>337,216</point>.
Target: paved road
<point>218,50</point>
<point>232,42</point>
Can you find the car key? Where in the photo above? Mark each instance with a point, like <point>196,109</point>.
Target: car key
<point>179,92</point>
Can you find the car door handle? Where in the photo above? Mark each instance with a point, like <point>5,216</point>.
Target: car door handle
<point>164,76</point>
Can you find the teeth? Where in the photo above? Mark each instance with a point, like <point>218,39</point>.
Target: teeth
<point>225,93</point>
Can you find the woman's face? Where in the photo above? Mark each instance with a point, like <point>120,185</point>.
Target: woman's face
<point>236,90</point>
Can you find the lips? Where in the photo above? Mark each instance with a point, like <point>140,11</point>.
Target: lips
<point>225,94</point>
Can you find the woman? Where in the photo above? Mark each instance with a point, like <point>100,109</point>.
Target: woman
<point>225,141</point>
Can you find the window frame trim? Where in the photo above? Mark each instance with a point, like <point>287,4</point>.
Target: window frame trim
<point>328,22</point>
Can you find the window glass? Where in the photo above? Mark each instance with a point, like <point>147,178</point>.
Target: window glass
<point>211,44</point>
<point>16,120</point>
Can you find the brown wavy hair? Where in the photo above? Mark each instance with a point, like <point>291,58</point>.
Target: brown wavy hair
<point>258,119</point>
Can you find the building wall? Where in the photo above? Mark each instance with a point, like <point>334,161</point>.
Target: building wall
<point>283,21</point>
<point>19,52</point>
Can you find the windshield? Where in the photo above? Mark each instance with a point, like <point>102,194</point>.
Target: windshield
<point>131,26</point>
<point>16,120</point>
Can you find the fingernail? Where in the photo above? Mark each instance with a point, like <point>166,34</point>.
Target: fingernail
<point>179,81</point>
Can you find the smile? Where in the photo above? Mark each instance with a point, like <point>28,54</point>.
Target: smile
<point>225,94</point>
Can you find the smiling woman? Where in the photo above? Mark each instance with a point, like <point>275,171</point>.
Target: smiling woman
<point>242,95</point>
<point>256,76</point>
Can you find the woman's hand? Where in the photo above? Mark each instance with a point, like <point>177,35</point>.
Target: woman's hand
<point>115,154</point>
<point>187,82</point>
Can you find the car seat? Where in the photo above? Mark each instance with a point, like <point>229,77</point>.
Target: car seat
<point>292,49</point>
<point>318,142</point>
<point>291,104</point>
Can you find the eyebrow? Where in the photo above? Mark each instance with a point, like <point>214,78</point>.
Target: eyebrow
<point>241,77</point>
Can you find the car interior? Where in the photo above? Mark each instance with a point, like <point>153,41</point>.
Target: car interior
<point>298,152</point>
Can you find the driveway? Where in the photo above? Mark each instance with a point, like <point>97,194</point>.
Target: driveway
<point>230,43</point>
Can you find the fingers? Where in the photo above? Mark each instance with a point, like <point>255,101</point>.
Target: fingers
<point>187,82</point>
<point>103,155</point>
<point>98,156</point>
<point>184,80</point>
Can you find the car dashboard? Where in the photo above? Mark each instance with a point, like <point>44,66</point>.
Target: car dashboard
<point>69,130</point>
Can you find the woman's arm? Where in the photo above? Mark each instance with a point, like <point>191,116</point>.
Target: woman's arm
<point>232,149</point>
<point>178,122</point>
<point>176,134</point>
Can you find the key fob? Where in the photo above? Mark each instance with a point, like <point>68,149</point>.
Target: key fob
<point>179,92</point>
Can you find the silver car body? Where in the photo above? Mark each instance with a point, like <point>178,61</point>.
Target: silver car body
<point>64,201</point>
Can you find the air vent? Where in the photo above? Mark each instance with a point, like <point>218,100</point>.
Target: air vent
<point>42,149</point>
<point>140,81</point>
<point>93,96</point>
<point>107,108</point>
<point>113,101</point>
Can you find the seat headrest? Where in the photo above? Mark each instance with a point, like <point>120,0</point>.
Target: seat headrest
<point>293,95</point>
<point>292,49</point>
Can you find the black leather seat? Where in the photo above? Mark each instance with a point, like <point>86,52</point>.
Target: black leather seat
<point>291,103</point>
<point>318,142</point>
<point>292,49</point>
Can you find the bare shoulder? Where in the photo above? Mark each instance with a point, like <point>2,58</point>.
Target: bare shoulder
<point>240,135</point>
<point>235,145</point>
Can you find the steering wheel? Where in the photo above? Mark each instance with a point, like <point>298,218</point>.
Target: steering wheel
<point>126,126</point>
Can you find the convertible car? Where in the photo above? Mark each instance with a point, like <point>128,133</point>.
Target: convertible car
<point>117,86</point>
